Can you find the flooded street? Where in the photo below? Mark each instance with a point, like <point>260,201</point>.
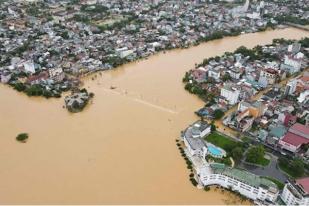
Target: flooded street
<point>121,149</point>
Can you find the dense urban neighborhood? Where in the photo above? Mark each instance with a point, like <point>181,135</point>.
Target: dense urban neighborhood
<point>47,45</point>
<point>256,106</point>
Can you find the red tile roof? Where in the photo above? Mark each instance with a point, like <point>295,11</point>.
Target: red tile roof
<point>294,139</point>
<point>304,182</point>
<point>301,128</point>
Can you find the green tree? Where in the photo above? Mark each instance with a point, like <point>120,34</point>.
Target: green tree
<point>22,137</point>
<point>226,77</point>
<point>297,166</point>
<point>304,42</point>
<point>246,52</point>
<point>19,86</point>
<point>255,154</point>
<point>34,90</point>
<point>218,114</point>
<point>213,127</point>
<point>65,35</point>
<point>237,153</point>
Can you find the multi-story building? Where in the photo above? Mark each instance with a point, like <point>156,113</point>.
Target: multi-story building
<point>231,94</point>
<point>293,62</point>
<point>270,74</point>
<point>193,141</point>
<point>290,87</point>
<point>214,73</point>
<point>296,192</point>
<point>250,185</point>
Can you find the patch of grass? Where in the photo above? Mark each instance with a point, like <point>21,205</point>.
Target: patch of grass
<point>222,142</point>
<point>287,170</point>
<point>288,167</point>
<point>262,162</point>
<point>279,184</point>
<point>22,137</point>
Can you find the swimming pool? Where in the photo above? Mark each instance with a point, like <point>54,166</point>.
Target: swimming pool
<point>215,152</point>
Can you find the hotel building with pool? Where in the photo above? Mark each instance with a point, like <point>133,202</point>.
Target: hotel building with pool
<point>206,173</point>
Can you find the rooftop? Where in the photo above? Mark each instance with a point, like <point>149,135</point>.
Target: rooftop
<point>304,183</point>
<point>295,139</point>
<point>196,143</point>
<point>278,131</point>
<point>243,176</point>
<point>301,130</point>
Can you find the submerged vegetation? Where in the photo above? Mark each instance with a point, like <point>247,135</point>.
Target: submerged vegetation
<point>22,137</point>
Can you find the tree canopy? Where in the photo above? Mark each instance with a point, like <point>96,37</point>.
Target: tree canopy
<point>255,154</point>
<point>22,137</point>
<point>237,153</point>
<point>218,114</point>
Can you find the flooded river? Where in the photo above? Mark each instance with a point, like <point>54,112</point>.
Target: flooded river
<point>119,150</point>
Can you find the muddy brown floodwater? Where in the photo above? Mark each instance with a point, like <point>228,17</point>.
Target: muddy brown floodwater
<point>119,150</point>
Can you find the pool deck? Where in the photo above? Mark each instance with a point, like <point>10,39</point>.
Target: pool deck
<point>222,151</point>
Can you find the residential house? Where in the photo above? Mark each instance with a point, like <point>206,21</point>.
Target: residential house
<point>231,93</point>
<point>215,73</point>
<point>303,97</point>
<point>247,113</point>
<point>270,74</point>
<point>56,74</point>
<point>275,134</point>
<point>287,119</point>
<point>36,79</point>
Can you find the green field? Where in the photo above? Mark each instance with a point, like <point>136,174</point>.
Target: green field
<point>262,162</point>
<point>223,142</point>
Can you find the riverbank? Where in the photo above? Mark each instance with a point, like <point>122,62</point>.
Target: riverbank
<point>123,145</point>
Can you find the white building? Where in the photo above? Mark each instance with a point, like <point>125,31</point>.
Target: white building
<point>214,73</point>
<point>235,73</point>
<point>250,185</point>
<point>5,78</point>
<point>29,66</point>
<point>294,62</point>
<point>193,138</point>
<point>303,97</point>
<point>254,15</point>
<point>290,87</point>
<point>294,48</point>
<point>230,93</point>
<point>270,74</point>
<point>297,192</point>
<point>124,52</point>
<point>196,146</point>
